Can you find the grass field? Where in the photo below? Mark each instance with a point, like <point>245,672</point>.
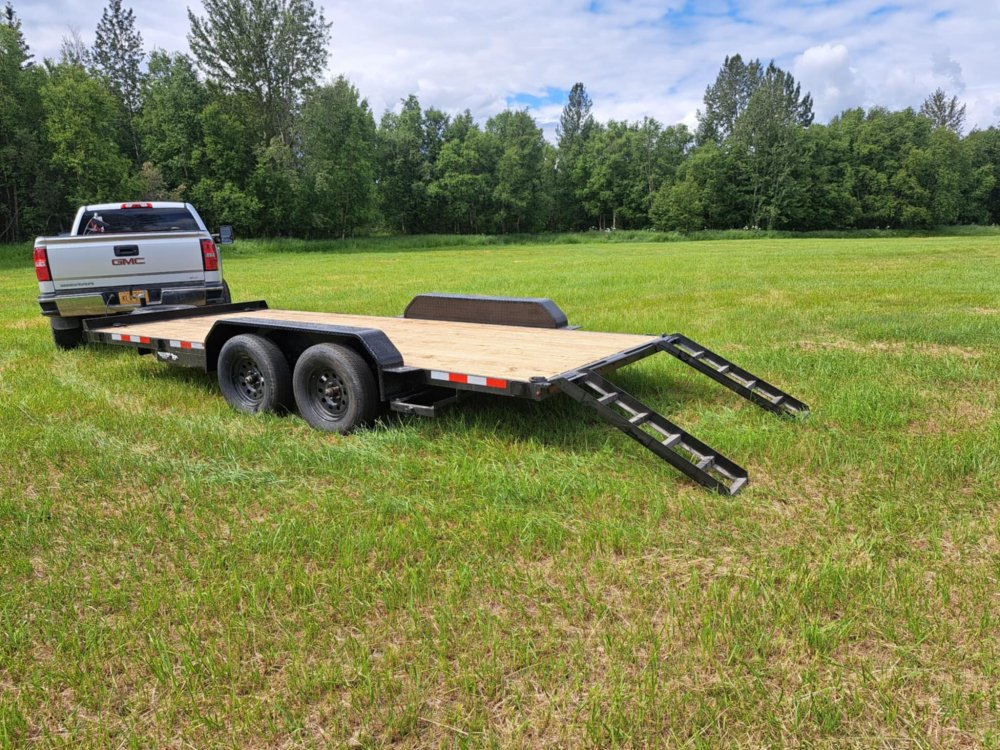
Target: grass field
<point>175,574</point>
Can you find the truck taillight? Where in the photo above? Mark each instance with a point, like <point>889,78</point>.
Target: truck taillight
<point>42,264</point>
<point>137,205</point>
<point>209,255</point>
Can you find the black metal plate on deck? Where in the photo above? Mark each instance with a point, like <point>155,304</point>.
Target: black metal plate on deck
<point>531,312</point>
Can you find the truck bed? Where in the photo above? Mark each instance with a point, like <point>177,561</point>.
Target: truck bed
<point>495,351</point>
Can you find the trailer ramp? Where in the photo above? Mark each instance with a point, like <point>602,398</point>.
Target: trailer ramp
<point>667,440</point>
<point>655,432</point>
<point>738,380</point>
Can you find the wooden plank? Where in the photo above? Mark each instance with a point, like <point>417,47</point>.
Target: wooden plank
<point>510,352</point>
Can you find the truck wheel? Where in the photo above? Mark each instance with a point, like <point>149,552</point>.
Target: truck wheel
<point>66,332</point>
<point>254,375</point>
<point>334,388</point>
<point>227,296</point>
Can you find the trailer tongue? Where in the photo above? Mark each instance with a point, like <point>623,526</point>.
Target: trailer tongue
<point>340,368</point>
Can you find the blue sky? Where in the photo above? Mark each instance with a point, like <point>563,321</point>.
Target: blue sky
<point>636,57</point>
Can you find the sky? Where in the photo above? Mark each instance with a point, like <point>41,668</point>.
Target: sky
<point>636,58</point>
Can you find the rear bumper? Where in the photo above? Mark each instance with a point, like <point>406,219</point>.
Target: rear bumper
<point>90,304</point>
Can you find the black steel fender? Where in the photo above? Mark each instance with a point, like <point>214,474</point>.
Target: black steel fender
<point>293,337</point>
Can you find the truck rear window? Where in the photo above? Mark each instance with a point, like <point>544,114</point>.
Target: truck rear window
<point>137,220</point>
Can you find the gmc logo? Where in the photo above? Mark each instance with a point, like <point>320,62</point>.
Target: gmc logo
<point>128,261</point>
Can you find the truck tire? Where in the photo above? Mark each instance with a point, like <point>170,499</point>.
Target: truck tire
<point>227,296</point>
<point>335,388</point>
<point>254,375</point>
<point>67,333</point>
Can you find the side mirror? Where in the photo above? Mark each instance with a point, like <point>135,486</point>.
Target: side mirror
<point>226,236</point>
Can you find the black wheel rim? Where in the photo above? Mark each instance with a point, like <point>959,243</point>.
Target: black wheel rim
<point>247,380</point>
<point>329,393</point>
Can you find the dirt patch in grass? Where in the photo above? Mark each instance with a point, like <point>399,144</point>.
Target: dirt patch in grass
<point>960,417</point>
<point>955,414</point>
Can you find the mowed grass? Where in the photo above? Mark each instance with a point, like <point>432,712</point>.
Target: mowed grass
<point>175,574</point>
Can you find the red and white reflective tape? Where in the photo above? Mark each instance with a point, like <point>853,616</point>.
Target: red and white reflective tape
<point>186,344</point>
<point>129,338</point>
<point>455,377</point>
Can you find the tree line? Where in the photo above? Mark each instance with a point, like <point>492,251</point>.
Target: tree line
<point>242,129</point>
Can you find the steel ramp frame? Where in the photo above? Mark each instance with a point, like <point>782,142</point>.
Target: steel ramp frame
<point>664,438</point>
<point>736,379</point>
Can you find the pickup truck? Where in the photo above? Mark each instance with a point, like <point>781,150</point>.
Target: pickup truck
<point>119,257</point>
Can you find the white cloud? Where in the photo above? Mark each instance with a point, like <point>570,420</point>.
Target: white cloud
<point>636,57</point>
<point>942,65</point>
<point>825,70</point>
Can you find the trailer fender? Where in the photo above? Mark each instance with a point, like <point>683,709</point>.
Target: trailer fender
<point>293,337</point>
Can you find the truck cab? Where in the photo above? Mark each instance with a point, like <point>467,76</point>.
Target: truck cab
<point>122,256</point>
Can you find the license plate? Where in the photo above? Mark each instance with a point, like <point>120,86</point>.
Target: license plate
<point>133,297</point>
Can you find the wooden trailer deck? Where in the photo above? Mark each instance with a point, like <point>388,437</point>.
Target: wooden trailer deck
<point>510,352</point>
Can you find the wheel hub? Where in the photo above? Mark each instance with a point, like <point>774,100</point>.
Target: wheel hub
<point>248,380</point>
<point>331,394</point>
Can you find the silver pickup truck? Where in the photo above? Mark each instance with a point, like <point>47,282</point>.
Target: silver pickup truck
<point>120,256</point>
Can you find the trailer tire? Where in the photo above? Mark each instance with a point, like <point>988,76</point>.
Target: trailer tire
<point>254,375</point>
<point>67,333</point>
<point>335,388</point>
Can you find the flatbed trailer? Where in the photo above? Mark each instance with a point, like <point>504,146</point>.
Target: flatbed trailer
<point>342,369</point>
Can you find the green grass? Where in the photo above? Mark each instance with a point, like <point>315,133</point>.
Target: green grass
<point>173,573</point>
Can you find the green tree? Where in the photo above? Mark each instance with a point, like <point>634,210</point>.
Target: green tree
<point>886,180</point>
<point>716,174</point>
<point>517,194</point>
<point>824,179</point>
<point>338,148</point>
<point>9,18</point>
<point>950,176</point>
<point>268,50</point>
<point>170,123</point>
<point>226,162</point>
<point>278,189</point>
<point>404,171</point>
<point>20,122</point>
<point>984,154</point>
<point>944,112</point>
<point>727,98</point>
<point>435,125</point>
<point>678,207</point>
<point>465,176</point>
<point>626,164</point>
<point>655,154</point>
<point>765,143</point>
<point>79,125</point>
<point>576,125</point>
<point>733,90</point>
<point>117,58</point>
<point>955,190</point>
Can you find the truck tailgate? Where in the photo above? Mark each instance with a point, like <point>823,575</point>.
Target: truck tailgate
<point>109,260</point>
